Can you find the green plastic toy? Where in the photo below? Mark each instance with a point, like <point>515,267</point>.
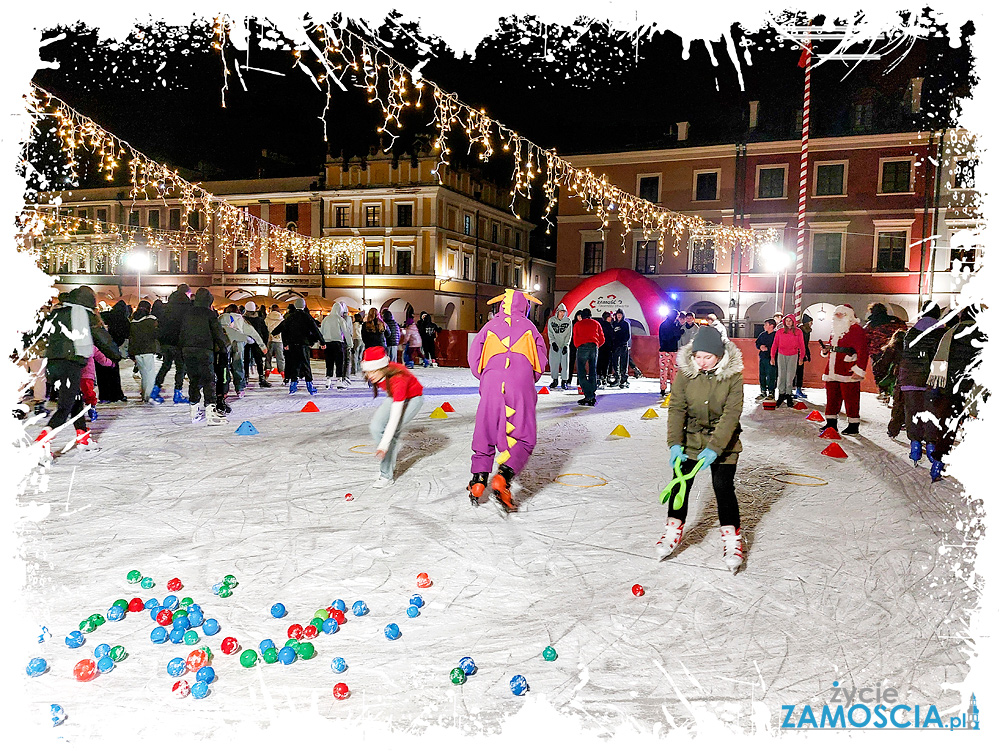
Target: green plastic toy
<point>680,480</point>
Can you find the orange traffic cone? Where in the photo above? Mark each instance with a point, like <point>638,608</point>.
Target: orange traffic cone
<point>831,434</point>
<point>815,416</point>
<point>447,407</point>
<point>310,407</point>
<point>543,390</point>
<point>834,451</point>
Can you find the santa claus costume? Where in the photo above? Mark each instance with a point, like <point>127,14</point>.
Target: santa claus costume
<point>847,354</point>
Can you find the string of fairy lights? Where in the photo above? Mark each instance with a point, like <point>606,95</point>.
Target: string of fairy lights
<point>394,88</point>
<point>234,228</point>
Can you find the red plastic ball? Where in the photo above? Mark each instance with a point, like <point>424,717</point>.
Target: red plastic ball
<point>85,670</point>
<point>135,605</point>
<point>181,689</point>
<point>338,616</point>
<point>230,645</point>
<point>341,691</point>
<point>295,631</point>
<point>175,585</point>
<point>165,617</point>
<point>638,591</point>
<point>309,631</point>
<point>197,659</point>
<point>423,580</point>
<point>348,497</point>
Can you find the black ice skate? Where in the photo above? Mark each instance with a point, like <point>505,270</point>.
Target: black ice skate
<point>477,486</point>
<point>501,484</point>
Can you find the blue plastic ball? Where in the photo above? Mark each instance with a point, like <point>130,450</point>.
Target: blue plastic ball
<point>158,635</point>
<point>518,685</point>
<point>105,665</point>
<point>176,635</point>
<point>75,639</point>
<point>211,627</point>
<point>194,606</point>
<point>417,600</point>
<point>392,632</point>
<point>58,715</point>
<point>116,613</point>
<point>266,644</point>
<point>199,690</point>
<point>338,605</point>
<point>176,667</point>
<point>182,622</point>
<point>359,608</point>
<point>102,650</point>
<point>216,588</point>
<point>286,655</point>
<point>278,610</point>
<point>154,611</point>
<point>205,674</point>
<point>413,611</point>
<point>151,603</point>
<point>468,666</point>
<point>330,626</point>
<point>195,618</point>
<point>171,602</point>
<point>36,666</point>
<point>338,665</point>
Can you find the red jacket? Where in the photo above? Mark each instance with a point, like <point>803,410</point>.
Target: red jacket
<point>849,356</point>
<point>587,331</point>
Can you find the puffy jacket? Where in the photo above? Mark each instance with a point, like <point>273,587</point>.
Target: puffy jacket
<point>705,407</point>
<point>621,333</point>
<point>392,332</point>
<point>142,336</point>
<point>200,328</point>
<point>57,327</point>
<point>919,347</point>
<point>177,308</point>
<point>298,328</point>
<point>372,335</point>
<point>335,327</point>
<point>117,322</point>
<point>670,335</point>
<point>788,342</point>
<point>271,323</point>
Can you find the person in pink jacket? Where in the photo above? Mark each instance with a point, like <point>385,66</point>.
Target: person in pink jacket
<point>787,352</point>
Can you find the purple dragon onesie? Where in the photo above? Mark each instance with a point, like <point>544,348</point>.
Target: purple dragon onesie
<point>508,356</point>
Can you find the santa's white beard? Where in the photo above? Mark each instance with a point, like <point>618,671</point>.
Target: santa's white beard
<point>840,326</point>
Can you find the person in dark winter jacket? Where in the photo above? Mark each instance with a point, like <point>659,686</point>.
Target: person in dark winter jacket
<point>893,354</point>
<point>298,331</point>
<point>880,328</point>
<point>142,346</point>
<point>71,331</point>
<point>621,342</point>
<point>373,329</point>
<point>254,351</point>
<point>604,351</point>
<point>428,337</point>
<point>670,334</point>
<point>109,382</point>
<point>158,309</point>
<point>806,328</point>
<point>392,334</point>
<point>920,401</point>
<point>767,373</point>
<point>200,338</point>
<point>168,331</point>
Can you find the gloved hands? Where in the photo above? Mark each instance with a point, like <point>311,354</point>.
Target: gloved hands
<point>676,451</point>
<point>708,456</point>
<point>565,349</point>
<point>555,347</point>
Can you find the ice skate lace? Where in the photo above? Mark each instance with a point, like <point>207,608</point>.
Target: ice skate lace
<point>732,545</point>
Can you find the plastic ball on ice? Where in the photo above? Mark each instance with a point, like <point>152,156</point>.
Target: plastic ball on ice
<point>359,608</point>
<point>176,667</point>
<point>230,581</point>
<point>87,626</point>
<point>154,612</point>
<point>36,666</point>
<point>417,600</point>
<point>102,650</point>
<point>278,610</point>
<point>248,659</point>
<point>58,715</point>
<point>186,602</point>
<point>135,605</point>
<point>338,665</point>
<point>176,635</point>
<point>458,676</point>
<point>118,653</point>
<point>338,616</point>
<point>295,631</point>
<point>205,674</point>
<point>518,685</point>
<point>339,605</point>
<point>468,665</point>
<point>341,691</point>
<point>196,659</point>
<point>270,655</point>
<point>310,631</point>
<point>182,621</point>
<point>46,634</point>
<point>211,627</point>
<point>181,689</point>
<point>85,670</point>
<point>348,497</point>
<point>306,650</point>
<point>230,645</point>
<point>199,690</point>
<point>164,617</point>
<point>147,583</point>
<point>171,601</point>
<point>413,611</point>
<point>175,585</point>
<point>116,613</point>
<point>266,644</point>
<point>158,635</point>
<point>75,639</point>
<point>549,654</point>
<point>423,580</point>
<point>293,643</point>
<point>151,603</point>
<point>195,618</point>
<point>330,626</point>
<point>105,665</point>
<point>133,576</point>
<point>217,587</point>
<point>391,632</point>
<point>123,604</point>
<point>225,591</point>
<point>286,655</point>
<point>322,614</point>
<point>638,591</point>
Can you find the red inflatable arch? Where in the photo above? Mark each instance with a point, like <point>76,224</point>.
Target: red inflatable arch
<point>638,297</point>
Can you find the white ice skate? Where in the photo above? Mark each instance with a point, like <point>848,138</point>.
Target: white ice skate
<point>732,547</point>
<point>671,538</point>
<point>383,482</point>
<point>343,383</point>
<point>329,384</point>
<point>197,413</point>
<point>215,417</point>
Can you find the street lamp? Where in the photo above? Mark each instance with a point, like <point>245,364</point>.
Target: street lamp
<point>775,260</point>
<point>138,261</point>
<point>732,317</point>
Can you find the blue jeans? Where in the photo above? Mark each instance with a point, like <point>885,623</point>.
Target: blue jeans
<point>378,423</point>
<point>586,369</point>
<point>768,375</point>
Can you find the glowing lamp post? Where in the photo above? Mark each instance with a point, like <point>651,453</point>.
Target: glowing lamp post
<point>776,260</point>
<point>138,261</point>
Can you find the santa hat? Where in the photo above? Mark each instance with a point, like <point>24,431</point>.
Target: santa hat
<point>374,358</point>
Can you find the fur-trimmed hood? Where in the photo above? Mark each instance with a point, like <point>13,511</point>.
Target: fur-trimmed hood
<point>731,363</point>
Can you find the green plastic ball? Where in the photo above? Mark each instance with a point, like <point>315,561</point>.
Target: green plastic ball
<point>292,643</point>
<point>318,623</point>
<point>97,619</point>
<point>458,676</point>
<point>179,613</point>
<point>248,659</point>
<point>306,650</point>
<point>549,654</point>
<point>186,601</point>
<point>230,581</point>
<point>147,583</point>
<point>133,576</point>
<point>87,626</point>
<point>118,653</point>
<point>208,653</point>
<point>191,637</point>
<point>225,591</point>
<point>320,615</point>
<point>270,655</point>
<point>123,604</point>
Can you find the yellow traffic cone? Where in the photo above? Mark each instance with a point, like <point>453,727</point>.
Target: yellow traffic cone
<point>621,432</point>
<point>439,413</point>
<point>649,414</point>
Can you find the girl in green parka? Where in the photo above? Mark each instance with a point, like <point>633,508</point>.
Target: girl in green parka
<point>703,423</point>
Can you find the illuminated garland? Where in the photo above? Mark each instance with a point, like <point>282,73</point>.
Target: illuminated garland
<point>236,229</point>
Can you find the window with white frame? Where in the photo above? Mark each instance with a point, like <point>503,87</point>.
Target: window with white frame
<point>890,254</point>
<point>174,219</point>
<point>829,178</point>
<point>649,188</point>
<point>702,254</point>
<point>896,175</point>
<point>373,261</point>
<point>153,218</point>
<point>404,261</point>
<point>404,215</point>
<point>771,181</point>
<point>372,216</point>
<point>706,185</point>
<point>341,216</point>
<point>645,256</point>
<point>593,257</point>
<point>827,250</point>
<point>517,277</point>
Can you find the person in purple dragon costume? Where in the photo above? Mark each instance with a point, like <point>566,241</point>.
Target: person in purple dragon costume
<point>508,356</point>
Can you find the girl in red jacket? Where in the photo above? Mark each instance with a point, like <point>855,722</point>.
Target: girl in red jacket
<point>787,352</point>
<point>405,400</point>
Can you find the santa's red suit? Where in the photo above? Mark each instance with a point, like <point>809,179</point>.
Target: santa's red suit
<point>847,354</point>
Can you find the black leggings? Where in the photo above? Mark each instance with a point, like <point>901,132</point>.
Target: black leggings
<point>335,361</point>
<point>723,483</point>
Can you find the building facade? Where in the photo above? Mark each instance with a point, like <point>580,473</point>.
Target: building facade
<point>881,224</point>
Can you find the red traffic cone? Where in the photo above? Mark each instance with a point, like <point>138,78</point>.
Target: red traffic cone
<point>834,451</point>
<point>800,405</point>
<point>543,390</point>
<point>830,433</point>
<point>447,407</point>
<point>275,371</point>
<point>815,416</point>
<point>310,407</point>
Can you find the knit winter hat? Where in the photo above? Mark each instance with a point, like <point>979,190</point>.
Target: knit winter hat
<point>374,358</point>
<point>250,307</point>
<point>708,339</point>
<point>931,310</point>
<point>299,303</point>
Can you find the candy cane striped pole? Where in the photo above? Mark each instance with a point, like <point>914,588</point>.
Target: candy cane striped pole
<point>803,182</point>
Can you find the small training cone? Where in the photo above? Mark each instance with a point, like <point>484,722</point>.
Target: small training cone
<point>246,428</point>
<point>801,405</point>
<point>543,390</point>
<point>834,451</point>
<point>649,414</point>
<point>621,432</point>
<point>439,413</point>
<point>310,407</point>
<point>815,416</point>
<point>275,371</point>
<point>447,407</point>
<point>830,433</point>
<point>666,402</point>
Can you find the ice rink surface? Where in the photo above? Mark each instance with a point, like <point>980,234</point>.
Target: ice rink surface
<point>864,579</point>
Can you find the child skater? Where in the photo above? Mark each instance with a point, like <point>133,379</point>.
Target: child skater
<point>703,422</point>
<point>405,400</point>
